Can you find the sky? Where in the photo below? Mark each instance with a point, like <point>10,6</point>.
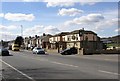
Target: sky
<point>30,18</point>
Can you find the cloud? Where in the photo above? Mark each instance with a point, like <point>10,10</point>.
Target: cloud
<point>19,17</point>
<point>66,3</point>
<point>117,30</point>
<point>70,12</point>
<point>1,15</point>
<point>5,31</point>
<point>61,4</point>
<point>89,2</point>
<point>51,30</point>
<point>36,30</point>
<point>97,23</point>
<point>91,18</point>
<point>5,28</point>
<point>106,24</point>
<point>2,27</point>
<point>40,29</point>
<point>69,3</point>
<point>7,36</point>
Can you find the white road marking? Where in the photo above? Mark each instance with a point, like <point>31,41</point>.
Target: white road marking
<point>108,72</point>
<point>105,59</point>
<point>64,64</point>
<point>17,70</point>
<point>111,59</point>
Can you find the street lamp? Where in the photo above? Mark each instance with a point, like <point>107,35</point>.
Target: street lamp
<point>81,33</point>
<point>22,34</point>
<point>21,30</point>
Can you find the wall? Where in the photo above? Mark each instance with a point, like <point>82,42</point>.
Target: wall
<point>91,37</point>
<point>52,50</point>
<point>102,52</point>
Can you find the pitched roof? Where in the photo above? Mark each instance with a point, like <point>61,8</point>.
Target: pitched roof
<point>62,34</point>
<point>85,32</point>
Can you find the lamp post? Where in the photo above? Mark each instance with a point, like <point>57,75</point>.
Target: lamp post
<point>22,35</point>
<point>21,30</point>
<point>81,34</point>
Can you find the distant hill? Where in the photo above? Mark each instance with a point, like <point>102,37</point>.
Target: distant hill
<point>114,39</point>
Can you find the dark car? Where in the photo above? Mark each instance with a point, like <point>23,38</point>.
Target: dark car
<point>4,52</point>
<point>69,51</point>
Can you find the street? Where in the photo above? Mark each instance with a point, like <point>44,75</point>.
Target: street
<point>25,65</point>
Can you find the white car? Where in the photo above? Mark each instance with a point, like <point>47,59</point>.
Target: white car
<point>38,50</point>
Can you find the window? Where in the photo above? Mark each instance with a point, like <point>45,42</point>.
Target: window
<point>76,38</point>
<point>93,38</point>
<point>73,37</point>
<point>86,38</point>
<point>68,38</point>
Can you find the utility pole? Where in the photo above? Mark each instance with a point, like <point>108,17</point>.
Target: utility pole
<point>81,34</point>
<point>22,34</point>
<point>21,30</point>
<point>83,37</point>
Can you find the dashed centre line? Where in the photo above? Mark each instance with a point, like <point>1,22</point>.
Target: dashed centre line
<point>108,72</point>
<point>64,64</point>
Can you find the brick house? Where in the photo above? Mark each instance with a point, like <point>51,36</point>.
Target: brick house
<point>87,41</point>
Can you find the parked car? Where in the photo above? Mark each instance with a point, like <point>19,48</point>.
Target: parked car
<point>69,51</point>
<point>38,50</point>
<point>4,52</point>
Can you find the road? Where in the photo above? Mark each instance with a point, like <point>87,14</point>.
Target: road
<point>25,65</point>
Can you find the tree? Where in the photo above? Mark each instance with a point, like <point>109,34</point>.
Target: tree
<point>30,37</point>
<point>44,34</point>
<point>19,40</point>
<point>36,36</point>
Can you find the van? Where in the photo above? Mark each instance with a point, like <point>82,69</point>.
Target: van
<point>15,47</point>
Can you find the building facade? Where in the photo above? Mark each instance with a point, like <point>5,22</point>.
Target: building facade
<point>88,40</point>
<point>37,41</point>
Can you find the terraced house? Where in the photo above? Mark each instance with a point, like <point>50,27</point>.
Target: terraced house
<point>83,40</point>
<point>37,41</point>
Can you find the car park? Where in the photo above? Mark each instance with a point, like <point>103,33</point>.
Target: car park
<point>38,50</point>
<point>4,52</point>
<point>69,51</point>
